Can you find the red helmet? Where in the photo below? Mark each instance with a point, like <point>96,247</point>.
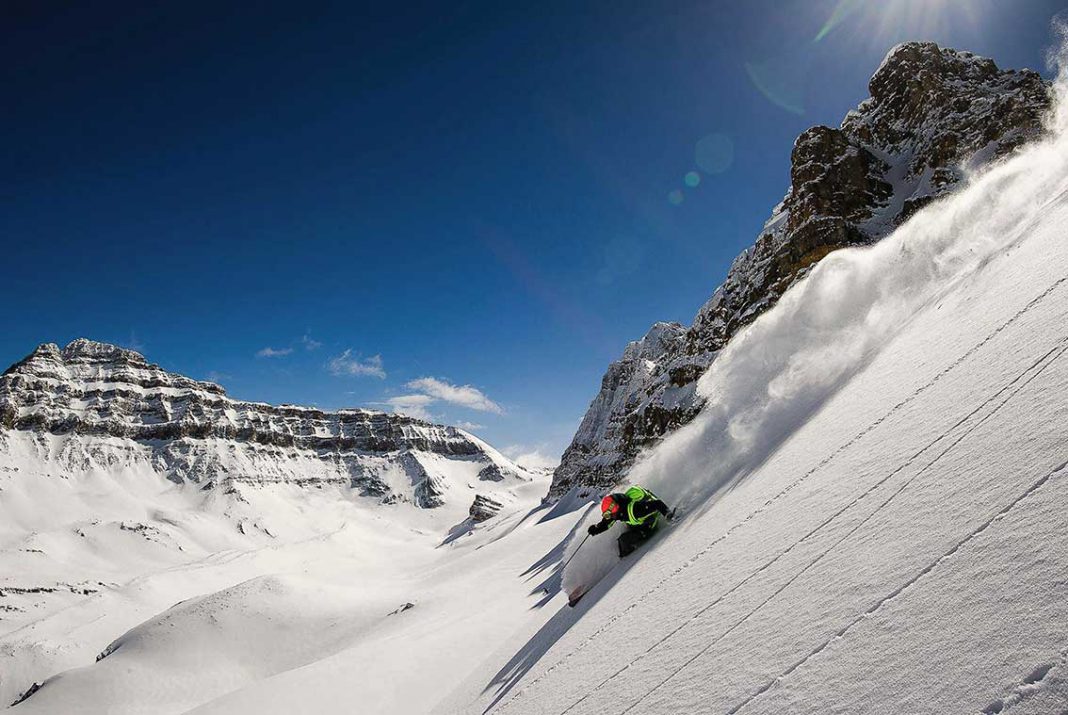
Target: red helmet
<point>611,505</point>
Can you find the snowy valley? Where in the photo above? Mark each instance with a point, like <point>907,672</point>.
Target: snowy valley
<point>125,489</point>
<point>870,478</point>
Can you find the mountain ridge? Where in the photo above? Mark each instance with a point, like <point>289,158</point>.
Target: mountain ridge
<point>187,427</point>
<point>934,115</point>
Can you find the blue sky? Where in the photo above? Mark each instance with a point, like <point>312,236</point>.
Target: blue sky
<point>477,204</point>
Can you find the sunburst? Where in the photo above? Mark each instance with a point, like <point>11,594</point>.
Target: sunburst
<point>882,21</point>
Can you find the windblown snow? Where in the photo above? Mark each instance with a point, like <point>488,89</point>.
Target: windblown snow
<point>873,518</point>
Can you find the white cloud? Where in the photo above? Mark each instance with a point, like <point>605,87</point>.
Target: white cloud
<point>530,457</point>
<point>269,352</point>
<point>346,364</point>
<point>430,391</point>
<point>217,377</point>
<point>309,343</point>
<point>412,405</point>
<point>462,395</point>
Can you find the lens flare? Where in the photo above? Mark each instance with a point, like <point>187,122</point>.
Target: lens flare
<point>781,80</point>
<point>841,11</point>
<point>889,20</point>
<point>714,153</point>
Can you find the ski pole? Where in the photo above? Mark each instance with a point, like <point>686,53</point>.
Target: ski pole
<point>573,555</point>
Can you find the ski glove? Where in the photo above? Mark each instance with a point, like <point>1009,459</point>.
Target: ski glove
<point>598,527</point>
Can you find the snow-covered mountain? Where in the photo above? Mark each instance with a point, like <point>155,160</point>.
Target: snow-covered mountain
<point>115,473</point>
<point>97,403</point>
<point>934,115</point>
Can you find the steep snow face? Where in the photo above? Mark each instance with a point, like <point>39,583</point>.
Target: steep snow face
<point>875,494</point>
<point>934,115</point>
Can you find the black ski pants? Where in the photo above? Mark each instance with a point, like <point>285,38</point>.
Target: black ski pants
<point>632,538</point>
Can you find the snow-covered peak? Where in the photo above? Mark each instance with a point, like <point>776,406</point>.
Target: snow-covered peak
<point>91,394</point>
<point>654,343</point>
<point>934,115</point>
<point>85,360</point>
<point>86,349</point>
<point>936,107</point>
<point>922,55</point>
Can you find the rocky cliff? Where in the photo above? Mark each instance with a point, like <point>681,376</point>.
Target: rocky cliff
<point>933,116</point>
<point>92,404</point>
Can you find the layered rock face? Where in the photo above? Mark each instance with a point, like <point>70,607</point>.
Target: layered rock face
<point>483,508</point>
<point>98,403</point>
<point>934,115</point>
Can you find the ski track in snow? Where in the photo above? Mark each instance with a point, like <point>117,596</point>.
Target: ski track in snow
<point>1044,362</point>
<point>966,356</point>
<point>1042,481</point>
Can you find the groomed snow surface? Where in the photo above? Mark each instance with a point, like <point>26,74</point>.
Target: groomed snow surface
<point>874,520</point>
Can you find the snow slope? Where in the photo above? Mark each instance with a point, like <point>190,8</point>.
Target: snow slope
<point>875,496</point>
<point>239,618</point>
<point>124,591</point>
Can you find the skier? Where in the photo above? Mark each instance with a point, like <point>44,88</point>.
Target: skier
<point>639,509</point>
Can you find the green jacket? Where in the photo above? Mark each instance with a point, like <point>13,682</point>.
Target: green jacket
<point>643,509</point>
<point>639,502</point>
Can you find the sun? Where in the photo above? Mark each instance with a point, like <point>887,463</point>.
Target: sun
<point>882,21</point>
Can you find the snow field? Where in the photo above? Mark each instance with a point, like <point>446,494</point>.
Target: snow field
<point>194,594</point>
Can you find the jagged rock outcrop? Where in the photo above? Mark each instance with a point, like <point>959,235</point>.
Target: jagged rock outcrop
<point>933,115</point>
<point>484,507</point>
<point>492,473</point>
<point>102,404</point>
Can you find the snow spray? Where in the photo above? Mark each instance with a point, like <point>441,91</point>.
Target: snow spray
<point>776,372</point>
<point>779,370</point>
